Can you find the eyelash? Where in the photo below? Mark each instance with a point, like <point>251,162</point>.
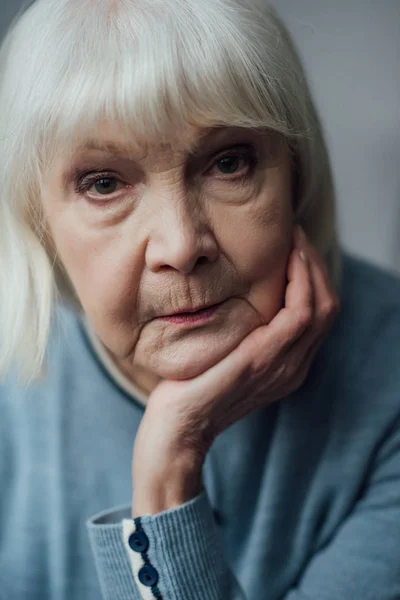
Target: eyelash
<point>84,180</point>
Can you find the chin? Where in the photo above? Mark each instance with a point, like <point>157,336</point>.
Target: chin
<point>178,354</point>
<point>187,369</point>
<point>190,359</point>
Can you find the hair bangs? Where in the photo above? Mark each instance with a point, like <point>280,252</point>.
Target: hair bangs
<point>146,69</point>
<point>151,74</point>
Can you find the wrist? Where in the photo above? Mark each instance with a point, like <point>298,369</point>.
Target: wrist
<point>177,482</point>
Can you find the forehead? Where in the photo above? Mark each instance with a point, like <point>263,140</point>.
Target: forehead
<point>189,140</point>
<point>117,142</point>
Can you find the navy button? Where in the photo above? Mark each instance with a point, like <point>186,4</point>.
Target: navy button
<point>138,541</point>
<point>148,575</point>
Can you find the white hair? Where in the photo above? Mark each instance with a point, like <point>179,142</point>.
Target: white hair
<point>148,65</point>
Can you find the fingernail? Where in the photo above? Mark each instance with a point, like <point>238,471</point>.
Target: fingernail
<point>302,243</point>
<point>303,256</point>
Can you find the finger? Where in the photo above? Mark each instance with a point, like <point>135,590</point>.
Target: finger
<point>300,358</point>
<point>296,317</point>
<point>294,369</point>
<point>326,300</point>
<point>326,303</point>
<point>266,344</point>
<point>294,336</point>
<point>299,289</point>
<point>326,307</point>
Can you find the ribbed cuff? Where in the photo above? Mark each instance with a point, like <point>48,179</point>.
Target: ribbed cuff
<point>185,548</point>
<point>184,554</point>
<point>112,563</point>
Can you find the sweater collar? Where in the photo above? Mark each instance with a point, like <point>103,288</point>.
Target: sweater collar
<point>116,374</point>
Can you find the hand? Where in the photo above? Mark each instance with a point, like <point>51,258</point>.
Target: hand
<point>183,418</point>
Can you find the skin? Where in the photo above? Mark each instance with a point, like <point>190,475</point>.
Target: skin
<point>183,418</point>
<point>188,235</point>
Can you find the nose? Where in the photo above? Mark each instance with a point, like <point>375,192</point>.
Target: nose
<point>179,238</point>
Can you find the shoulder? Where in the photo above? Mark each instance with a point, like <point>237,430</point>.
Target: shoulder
<point>370,315</point>
<point>72,371</point>
<point>360,359</point>
<point>69,372</point>
<point>380,287</point>
<point>64,347</point>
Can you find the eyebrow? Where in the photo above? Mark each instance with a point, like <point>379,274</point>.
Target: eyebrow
<point>105,146</point>
<point>111,148</point>
<point>126,149</point>
<point>217,134</point>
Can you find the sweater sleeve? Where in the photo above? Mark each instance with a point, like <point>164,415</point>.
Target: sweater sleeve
<point>174,555</point>
<point>177,554</point>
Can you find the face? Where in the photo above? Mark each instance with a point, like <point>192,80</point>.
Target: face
<point>150,231</point>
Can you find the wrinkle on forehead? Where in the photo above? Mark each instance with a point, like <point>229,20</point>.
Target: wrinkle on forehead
<point>189,140</point>
<point>114,141</point>
<point>113,144</point>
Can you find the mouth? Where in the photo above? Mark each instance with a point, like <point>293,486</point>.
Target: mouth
<point>192,316</point>
<point>193,311</point>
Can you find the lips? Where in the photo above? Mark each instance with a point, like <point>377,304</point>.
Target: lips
<point>192,310</point>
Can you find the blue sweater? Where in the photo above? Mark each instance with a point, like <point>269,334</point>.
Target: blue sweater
<point>301,500</point>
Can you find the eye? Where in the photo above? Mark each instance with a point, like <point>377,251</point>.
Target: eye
<point>230,164</point>
<point>239,164</point>
<point>99,185</point>
<point>106,185</point>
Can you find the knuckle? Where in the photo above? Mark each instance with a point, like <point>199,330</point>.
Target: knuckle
<point>259,367</point>
<point>304,318</point>
<point>287,371</point>
<point>326,311</point>
<point>278,371</point>
<point>329,310</point>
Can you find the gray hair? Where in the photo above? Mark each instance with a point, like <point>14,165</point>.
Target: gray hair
<point>149,66</point>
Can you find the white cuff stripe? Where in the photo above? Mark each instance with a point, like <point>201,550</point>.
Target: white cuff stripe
<point>135,558</point>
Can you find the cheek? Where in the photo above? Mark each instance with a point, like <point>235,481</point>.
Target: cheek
<point>268,274</point>
<point>261,244</point>
<point>101,273</point>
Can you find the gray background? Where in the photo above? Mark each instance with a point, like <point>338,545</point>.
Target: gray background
<point>351,51</point>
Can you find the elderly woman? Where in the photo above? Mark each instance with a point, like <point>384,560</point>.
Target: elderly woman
<point>170,283</point>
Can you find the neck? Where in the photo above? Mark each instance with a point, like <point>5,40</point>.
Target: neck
<point>144,379</point>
